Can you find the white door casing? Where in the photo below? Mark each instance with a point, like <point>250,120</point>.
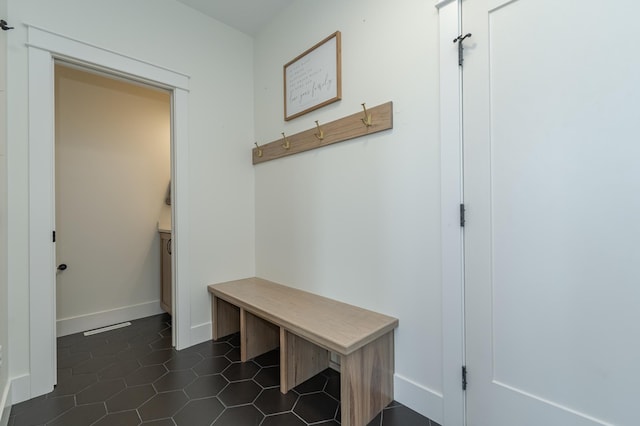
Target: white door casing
<point>552,184</point>
<point>44,47</point>
<point>450,199</point>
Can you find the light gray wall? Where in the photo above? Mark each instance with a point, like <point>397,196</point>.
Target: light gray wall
<point>220,65</point>
<point>360,221</point>
<point>113,168</point>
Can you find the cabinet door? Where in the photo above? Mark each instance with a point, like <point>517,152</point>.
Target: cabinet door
<point>165,297</point>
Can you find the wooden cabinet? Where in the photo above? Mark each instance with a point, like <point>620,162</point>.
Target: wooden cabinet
<point>165,289</point>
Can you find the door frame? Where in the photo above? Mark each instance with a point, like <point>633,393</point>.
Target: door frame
<point>44,47</point>
<point>452,184</point>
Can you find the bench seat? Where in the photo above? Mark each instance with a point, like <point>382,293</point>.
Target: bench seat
<point>308,328</point>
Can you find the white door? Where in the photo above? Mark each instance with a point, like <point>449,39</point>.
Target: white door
<point>552,194</point>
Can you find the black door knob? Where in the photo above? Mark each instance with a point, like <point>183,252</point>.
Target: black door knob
<point>62,267</point>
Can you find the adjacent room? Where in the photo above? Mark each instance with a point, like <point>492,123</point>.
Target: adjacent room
<point>113,171</point>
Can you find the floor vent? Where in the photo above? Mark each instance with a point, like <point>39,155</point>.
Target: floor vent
<point>107,328</point>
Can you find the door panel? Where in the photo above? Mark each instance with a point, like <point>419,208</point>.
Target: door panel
<point>551,97</point>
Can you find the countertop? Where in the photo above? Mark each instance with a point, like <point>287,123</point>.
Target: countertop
<point>164,222</point>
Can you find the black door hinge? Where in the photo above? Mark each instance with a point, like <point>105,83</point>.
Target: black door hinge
<point>54,236</point>
<point>459,40</point>
<point>464,377</point>
<point>462,218</point>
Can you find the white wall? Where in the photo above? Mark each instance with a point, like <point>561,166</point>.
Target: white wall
<point>112,173</point>
<point>221,187</point>
<point>360,221</point>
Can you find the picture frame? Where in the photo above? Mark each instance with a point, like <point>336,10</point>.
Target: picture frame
<point>314,78</point>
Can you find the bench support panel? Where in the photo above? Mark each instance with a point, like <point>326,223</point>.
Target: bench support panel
<point>300,360</point>
<point>225,318</point>
<point>257,336</point>
<point>366,381</point>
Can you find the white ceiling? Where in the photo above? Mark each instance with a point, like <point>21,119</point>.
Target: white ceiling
<point>248,16</point>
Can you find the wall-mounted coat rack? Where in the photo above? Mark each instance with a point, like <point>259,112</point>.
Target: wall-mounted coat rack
<point>369,121</point>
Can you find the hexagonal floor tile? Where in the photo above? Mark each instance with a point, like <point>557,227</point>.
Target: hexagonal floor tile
<point>206,386</point>
<point>107,349</point>
<point>332,423</point>
<point>40,410</point>
<point>269,359</point>
<point>120,368</point>
<point>69,340</point>
<point>241,371</point>
<point>81,415</point>
<point>143,339</point>
<point>194,381</point>
<point>157,357</point>
<point>271,401</point>
<point>174,380</point>
<point>162,343</point>
<point>145,375</point>
<point>100,391</point>
<point>314,384</point>
<point>236,416</point>
<point>93,365</point>
<point>268,377</point>
<point>397,416</point>
<point>316,407</point>
<point>183,361</point>
<point>201,412</point>
<point>212,349</point>
<point>70,385</point>
<point>211,366</point>
<point>333,384</point>
<point>161,422</point>
<point>286,419</point>
<point>163,405</point>
<point>233,355</point>
<point>71,360</point>
<point>377,420</point>
<point>134,352</point>
<point>234,340</point>
<point>120,419</point>
<point>239,393</point>
<point>130,398</point>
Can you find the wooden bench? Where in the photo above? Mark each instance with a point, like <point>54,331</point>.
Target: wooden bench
<point>307,328</point>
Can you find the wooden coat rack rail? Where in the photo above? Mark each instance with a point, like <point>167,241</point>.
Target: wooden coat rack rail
<point>369,121</point>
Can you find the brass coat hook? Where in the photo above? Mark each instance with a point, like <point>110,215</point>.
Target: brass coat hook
<point>320,134</point>
<point>259,152</point>
<point>287,144</point>
<point>367,117</point>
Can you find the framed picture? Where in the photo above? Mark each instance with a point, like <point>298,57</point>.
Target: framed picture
<point>313,79</point>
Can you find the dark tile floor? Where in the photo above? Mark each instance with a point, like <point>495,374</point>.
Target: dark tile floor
<point>132,376</point>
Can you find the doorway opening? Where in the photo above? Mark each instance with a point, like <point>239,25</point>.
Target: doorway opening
<point>112,171</point>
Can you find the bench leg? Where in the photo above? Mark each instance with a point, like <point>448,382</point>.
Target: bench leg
<point>366,381</point>
<point>225,317</point>
<point>300,360</point>
<point>257,336</point>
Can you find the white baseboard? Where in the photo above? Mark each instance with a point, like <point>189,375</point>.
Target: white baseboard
<point>20,389</point>
<point>419,398</point>
<point>66,326</point>
<point>5,404</point>
<point>201,333</point>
